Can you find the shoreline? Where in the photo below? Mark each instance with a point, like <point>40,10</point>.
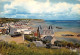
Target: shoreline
<point>59,34</point>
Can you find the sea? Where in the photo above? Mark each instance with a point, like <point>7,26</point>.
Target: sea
<point>66,25</point>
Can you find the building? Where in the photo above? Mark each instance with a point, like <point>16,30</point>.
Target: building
<point>35,34</point>
<point>3,30</point>
<point>27,32</point>
<point>42,32</point>
<point>19,28</point>
<point>46,33</point>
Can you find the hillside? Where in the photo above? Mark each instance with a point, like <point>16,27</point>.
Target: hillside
<point>22,49</point>
<point>5,20</point>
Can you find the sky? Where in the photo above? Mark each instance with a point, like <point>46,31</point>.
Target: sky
<point>41,9</point>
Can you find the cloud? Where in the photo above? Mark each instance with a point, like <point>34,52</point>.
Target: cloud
<point>76,9</point>
<point>78,0</point>
<point>37,7</point>
<point>6,0</point>
<point>16,16</point>
<point>40,8</point>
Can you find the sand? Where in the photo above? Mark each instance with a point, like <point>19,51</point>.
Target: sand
<point>59,34</point>
<point>9,39</point>
<point>17,39</point>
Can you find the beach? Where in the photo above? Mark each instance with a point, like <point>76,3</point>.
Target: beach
<point>59,34</point>
<point>63,29</point>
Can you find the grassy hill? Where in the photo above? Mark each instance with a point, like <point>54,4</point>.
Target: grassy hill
<point>21,49</point>
<point>5,20</point>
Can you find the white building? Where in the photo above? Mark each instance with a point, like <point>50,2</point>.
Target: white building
<point>27,32</point>
<point>20,29</point>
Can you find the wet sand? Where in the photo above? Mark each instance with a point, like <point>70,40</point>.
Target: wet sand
<point>59,34</point>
